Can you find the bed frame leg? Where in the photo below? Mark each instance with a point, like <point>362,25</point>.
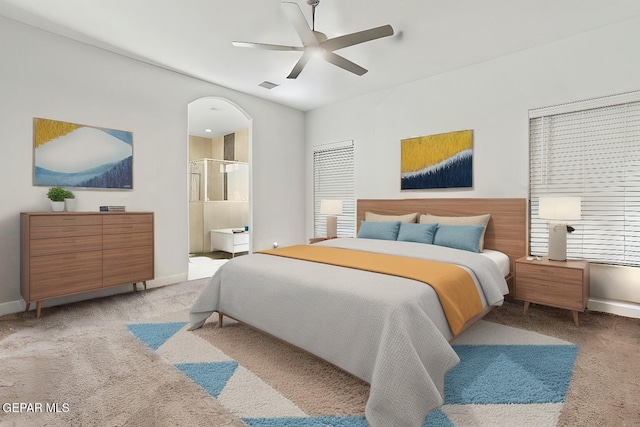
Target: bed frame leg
<point>220,320</point>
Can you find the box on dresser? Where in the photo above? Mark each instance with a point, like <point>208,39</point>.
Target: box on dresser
<point>66,253</point>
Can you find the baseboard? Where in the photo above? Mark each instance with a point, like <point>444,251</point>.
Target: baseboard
<point>621,308</point>
<point>167,280</point>
<point>17,306</point>
<point>11,307</point>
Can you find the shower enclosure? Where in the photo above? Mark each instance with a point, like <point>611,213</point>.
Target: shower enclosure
<point>213,180</point>
<point>218,199</point>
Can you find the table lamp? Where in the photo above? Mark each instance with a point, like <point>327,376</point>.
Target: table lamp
<point>332,208</point>
<point>558,210</point>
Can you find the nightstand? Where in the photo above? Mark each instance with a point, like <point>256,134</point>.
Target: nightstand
<point>561,284</point>
<point>319,239</point>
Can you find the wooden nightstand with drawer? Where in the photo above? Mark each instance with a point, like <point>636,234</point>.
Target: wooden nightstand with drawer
<point>561,284</point>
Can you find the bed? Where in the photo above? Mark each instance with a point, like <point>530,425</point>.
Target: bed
<point>390,331</point>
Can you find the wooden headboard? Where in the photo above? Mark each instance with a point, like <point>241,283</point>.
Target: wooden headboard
<point>506,232</point>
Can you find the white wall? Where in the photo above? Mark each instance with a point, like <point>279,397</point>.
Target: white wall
<point>493,99</point>
<point>44,75</point>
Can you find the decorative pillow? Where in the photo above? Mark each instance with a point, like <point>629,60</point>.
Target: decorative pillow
<point>466,237</point>
<point>379,230</point>
<point>460,220</point>
<point>372,217</point>
<point>419,233</point>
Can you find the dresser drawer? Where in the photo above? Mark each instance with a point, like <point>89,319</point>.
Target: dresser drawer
<point>63,220</point>
<point>41,247</point>
<point>64,230</point>
<point>549,274</point>
<point>127,266</point>
<point>115,220</point>
<point>64,274</point>
<point>128,228</point>
<point>126,240</point>
<point>556,294</point>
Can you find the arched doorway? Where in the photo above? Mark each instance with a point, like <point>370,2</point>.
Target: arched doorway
<point>219,183</point>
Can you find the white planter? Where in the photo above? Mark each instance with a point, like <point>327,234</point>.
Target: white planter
<point>70,205</point>
<point>57,206</point>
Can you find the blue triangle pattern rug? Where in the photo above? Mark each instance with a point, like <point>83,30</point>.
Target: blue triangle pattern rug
<point>505,377</point>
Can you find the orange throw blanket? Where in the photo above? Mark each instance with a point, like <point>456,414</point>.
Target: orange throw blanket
<point>454,285</point>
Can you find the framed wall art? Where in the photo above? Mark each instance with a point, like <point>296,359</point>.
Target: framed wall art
<point>437,161</point>
<point>73,155</point>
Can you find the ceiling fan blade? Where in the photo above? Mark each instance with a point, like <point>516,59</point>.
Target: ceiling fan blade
<point>358,37</point>
<point>300,24</point>
<point>266,46</point>
<point>343,63</point>
<point>300,65</point>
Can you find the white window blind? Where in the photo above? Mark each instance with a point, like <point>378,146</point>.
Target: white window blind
<point>590,149</point>
<point>333,179</point>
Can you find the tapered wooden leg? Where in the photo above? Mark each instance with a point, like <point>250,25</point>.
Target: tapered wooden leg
<point>526,307</point>
<point>220,320</point>
<point>38,309</point>
<point>575,318</point>
<point>135,286</point>
<point>27,307</point>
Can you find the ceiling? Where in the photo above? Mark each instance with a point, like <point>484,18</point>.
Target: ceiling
<point>210,117</point>
<point>431,37</point>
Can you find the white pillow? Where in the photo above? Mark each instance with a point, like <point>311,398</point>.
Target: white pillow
<point>372,217</point>
<point>459,220</point>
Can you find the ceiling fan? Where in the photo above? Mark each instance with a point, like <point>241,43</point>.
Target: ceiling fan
<point>317,43</point>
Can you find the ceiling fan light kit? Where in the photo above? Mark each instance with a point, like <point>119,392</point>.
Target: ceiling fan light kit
<point>315,43</point>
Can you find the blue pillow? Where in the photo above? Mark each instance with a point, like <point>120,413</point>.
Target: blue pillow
<point>379,230</point>
<point>466,237</point>
<point>419,233</point>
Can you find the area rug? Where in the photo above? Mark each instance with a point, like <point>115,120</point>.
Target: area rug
<point>506,376</point>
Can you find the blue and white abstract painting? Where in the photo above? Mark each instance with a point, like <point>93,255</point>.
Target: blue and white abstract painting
<point>72,155</point>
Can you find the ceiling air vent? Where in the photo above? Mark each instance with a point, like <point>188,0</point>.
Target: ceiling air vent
<point>268,85</point>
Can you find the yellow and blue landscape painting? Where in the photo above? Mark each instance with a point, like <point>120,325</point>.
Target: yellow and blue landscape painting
<point>437,161</point>
<point>72,155</point>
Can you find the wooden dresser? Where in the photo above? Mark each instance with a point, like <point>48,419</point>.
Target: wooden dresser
<point>66,253</point>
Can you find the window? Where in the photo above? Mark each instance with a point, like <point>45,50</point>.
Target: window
<point>590,149</point>
<point>333,179</point>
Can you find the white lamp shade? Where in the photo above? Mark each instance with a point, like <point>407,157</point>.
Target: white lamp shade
<point>560,208</point>
<point>331,207</point>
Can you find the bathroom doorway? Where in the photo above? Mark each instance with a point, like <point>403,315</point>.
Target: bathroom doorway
<point>219,184</point>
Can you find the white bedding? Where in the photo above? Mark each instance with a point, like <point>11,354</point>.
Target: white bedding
<point>501,260</point>
<point>386,330</point>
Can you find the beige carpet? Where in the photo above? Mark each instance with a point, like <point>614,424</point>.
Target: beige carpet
<point>82,354</point>
<point>289,370</point>
<point>605,387</point>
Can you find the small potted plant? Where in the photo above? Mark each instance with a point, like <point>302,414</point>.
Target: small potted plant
<point>69,201</point>
<point>57,195</point>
